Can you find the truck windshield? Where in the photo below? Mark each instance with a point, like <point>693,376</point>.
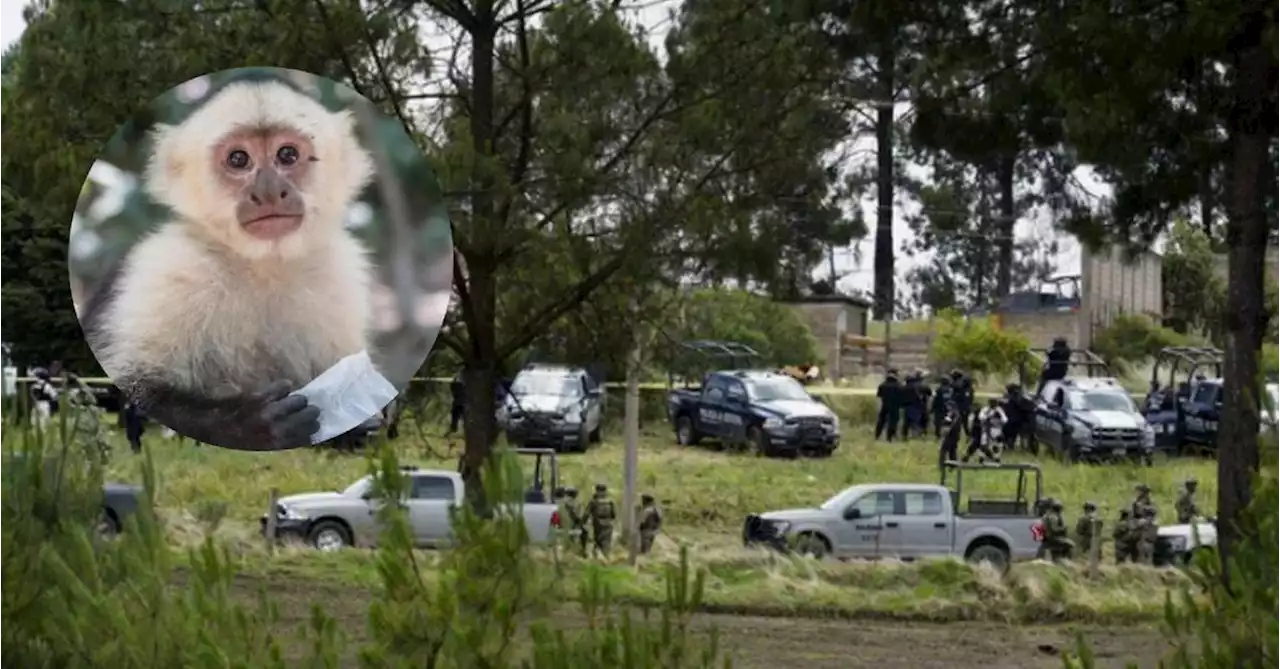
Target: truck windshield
<point>776,389</point>
<point>546,384</point>
<point>1102,401</point>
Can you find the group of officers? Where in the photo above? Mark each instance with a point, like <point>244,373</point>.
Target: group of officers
<point>592,525</point>
<point>911,403</point>
<point>1135,533</point>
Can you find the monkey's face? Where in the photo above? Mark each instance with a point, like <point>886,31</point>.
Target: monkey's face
<point>261,169</point>
<point>266,172</point>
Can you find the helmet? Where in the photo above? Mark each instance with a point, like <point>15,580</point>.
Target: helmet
<point>1192,482</point>
<point>1090,506</point>
<point>956,374</point>
<point>1055,504</point>
<point>571,491</point>
<point>40,373</point>
<point>600,487</point>
<point>1142,487</point>
<point>646,497</point>
<point>1059,341</point>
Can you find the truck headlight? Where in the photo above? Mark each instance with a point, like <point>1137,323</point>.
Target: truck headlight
<point>773,423</point>
<point>572,416</point>
<point>779,527</point>
<point>1082,433</point>
<point>290,513</point>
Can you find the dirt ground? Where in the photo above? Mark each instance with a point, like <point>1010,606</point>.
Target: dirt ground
<point>764,642</point>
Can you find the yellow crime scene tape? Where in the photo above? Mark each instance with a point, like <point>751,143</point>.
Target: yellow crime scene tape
<point>821,391</point>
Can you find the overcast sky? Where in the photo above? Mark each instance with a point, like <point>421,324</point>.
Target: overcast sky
<point>855,261</point>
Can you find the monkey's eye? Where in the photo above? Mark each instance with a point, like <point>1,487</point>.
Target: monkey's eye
<point>238,159</point>
<point>287,154</point>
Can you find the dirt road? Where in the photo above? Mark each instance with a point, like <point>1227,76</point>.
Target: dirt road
<point>757,642</point>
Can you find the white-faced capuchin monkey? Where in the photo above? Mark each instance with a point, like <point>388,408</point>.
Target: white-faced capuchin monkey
<point>254,287</point>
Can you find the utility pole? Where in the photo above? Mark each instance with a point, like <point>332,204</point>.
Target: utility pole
<point>631,423</point>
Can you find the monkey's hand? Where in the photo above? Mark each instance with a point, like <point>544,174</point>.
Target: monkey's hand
<point>270,420</point>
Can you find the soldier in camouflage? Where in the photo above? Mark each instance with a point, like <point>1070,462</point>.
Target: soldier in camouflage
<point>1085,528</point>
<point>602,513</point>
<point>1056,545</point>
<point>87,426</point>
<point>577,519</point>
<point>1123,535</point>
<point>1186,507</point>
<point>1141,502</point>
<point>1146,532</point>
<point>650,522</point>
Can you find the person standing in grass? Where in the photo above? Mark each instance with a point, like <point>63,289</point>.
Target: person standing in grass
<point>1146,532</point>
<point>1085,528</point>
<point>602,513</point>
<point>1122,535</point>
<point>650,522</point>
<point>890,393</point>
<point>1186,507</point>
<point>954,429</point>
<point>577,519</point>
<point>1056,545</point>
<point>941,399</point>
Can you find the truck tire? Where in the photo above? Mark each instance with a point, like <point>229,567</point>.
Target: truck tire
<point>329,535</point>
<point>995,555</point>
<point>812,545</point>
<point>594,437</point>
<point>686,433</point>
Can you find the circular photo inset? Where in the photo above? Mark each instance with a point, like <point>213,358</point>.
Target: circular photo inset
<point>261,260</point>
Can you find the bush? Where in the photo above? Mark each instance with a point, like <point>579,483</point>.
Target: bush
<point>1134,339</point>
<point>74,601</point>
<point>977,345</point>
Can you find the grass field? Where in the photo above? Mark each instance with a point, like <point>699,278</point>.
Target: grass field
<point>705,495</point>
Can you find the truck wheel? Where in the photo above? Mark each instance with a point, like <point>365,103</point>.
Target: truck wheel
<point>594,437</point>
<point>329,535</point>
<point>108,527</point>
<point>812,545</point>
<point>760,440</point>
<point>686,434</point>
<point>990,553</point>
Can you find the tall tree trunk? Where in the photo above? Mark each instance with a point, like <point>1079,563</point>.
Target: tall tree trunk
<point>481,309</point>
<point>884,278</point>
<point>1004,228</point>
<point>1250,127</point>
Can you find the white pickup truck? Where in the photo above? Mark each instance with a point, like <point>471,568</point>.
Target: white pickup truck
<point>330,521</point>
<point>911,521</point>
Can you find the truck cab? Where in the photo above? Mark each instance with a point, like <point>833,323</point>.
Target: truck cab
<point>764,410</point>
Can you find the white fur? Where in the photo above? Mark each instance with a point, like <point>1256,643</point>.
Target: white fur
<point>181,173</point>
<point>217,311</point>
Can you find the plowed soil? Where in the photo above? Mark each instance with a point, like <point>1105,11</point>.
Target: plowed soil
<point>757,642</point>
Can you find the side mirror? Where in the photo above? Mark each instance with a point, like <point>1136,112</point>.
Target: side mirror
<point>852,513</point>
<point>594,393</point>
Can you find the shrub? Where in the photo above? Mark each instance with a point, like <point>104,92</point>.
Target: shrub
<point>1133,339</point>
<point>977,345</point>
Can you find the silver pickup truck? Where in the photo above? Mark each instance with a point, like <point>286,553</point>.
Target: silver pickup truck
<point>911,521</point>
<point>330,521</point>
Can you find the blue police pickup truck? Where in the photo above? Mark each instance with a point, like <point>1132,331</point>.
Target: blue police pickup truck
<point>763,410</point>
<point>1189,421</point>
